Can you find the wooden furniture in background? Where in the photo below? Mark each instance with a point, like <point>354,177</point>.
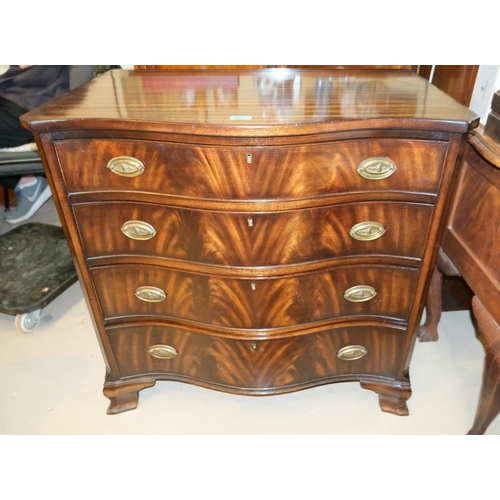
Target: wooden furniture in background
<point>241,67</point>
<point>471,248</point>
<point>253,231</point>
<point>198,67</point>
<point>492,127</point>
<point>351,67</point>
<point>457,81</point>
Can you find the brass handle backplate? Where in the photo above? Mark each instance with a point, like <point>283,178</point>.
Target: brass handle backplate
<point>150,294</point>
<point>367,231</point>
<point>138,230</point>
<point>360,293</point>
<point>375,169</point>
<point>162,351</point>
<point>126,166</point>
<point>351,352</point>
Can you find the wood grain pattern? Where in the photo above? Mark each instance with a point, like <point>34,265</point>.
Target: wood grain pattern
<point>274,303</point>
<point>247,366</point>
<point>281,101</point>
<point>489,398</point>
<point>472,238</point>
<point>152,67</point>
<point>226,238</point>
<point>457,81</point>
<point>392,396</point>
<point>124,396</point>
<point>257,308</point>
<point>471,248</point>
<point>275,172</point>
<point>480,200</point>
<point>351,67</point>
<point>428,332</point>
<point>472,242</point>
<point>485,146</point>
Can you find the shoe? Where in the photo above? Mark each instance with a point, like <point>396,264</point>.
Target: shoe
<point>29,200</point>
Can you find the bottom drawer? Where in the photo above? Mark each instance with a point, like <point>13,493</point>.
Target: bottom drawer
<point>261,366</point>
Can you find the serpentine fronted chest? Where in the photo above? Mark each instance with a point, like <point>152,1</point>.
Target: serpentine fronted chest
<point>256,232</point>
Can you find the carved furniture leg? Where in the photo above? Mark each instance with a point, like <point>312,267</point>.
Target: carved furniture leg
<point>392,398</point>
<point>489,398</point>
<point>428,331</point>
<point>124,396</point>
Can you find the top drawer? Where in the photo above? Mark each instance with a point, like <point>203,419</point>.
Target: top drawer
<point>245,173</point>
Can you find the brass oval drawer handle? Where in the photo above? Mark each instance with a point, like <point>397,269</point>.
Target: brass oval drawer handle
<point>360,293</point>
<point>352,352</point>
<point>376,168</point>
<point>162,351</point>
<point>138,230</point>
<point>126,166</point>
<point>367,231</point>
<point>150,294</point>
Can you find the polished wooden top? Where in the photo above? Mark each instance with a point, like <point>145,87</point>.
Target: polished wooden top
<point>268,102</point>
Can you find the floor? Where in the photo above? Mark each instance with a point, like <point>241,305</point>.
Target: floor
<point>51,384</point>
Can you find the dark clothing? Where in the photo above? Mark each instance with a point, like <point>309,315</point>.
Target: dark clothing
<point>33,86</point>
<point>22,90</point>
<point>12,133</point>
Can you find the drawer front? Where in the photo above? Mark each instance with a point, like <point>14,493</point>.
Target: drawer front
<point>253,239</point>
<point>222,172</point>
<point>254,303</point>
<point>267,365</point>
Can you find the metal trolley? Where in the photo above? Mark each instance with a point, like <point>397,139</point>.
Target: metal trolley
<point>35,268</point>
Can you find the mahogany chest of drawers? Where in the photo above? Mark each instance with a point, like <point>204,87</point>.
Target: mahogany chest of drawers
<point>255,232</point>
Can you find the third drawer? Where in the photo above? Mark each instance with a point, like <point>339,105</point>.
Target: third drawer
<point>253,303</point>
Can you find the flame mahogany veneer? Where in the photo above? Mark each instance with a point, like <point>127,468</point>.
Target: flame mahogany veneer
<point>268,230</point>
<point>471,249</point>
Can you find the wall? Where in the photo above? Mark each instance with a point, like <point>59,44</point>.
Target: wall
<point>487,83</point>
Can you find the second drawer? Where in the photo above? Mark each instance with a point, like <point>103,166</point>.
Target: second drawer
<point>253,239</point>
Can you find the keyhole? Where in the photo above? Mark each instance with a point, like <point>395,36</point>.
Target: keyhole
<point>250,222</point>
<point>249,158</point>
<point>254,346</point>
<point>254,286</point>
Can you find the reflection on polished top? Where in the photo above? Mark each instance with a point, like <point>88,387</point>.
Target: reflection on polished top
<point>254,102</point>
